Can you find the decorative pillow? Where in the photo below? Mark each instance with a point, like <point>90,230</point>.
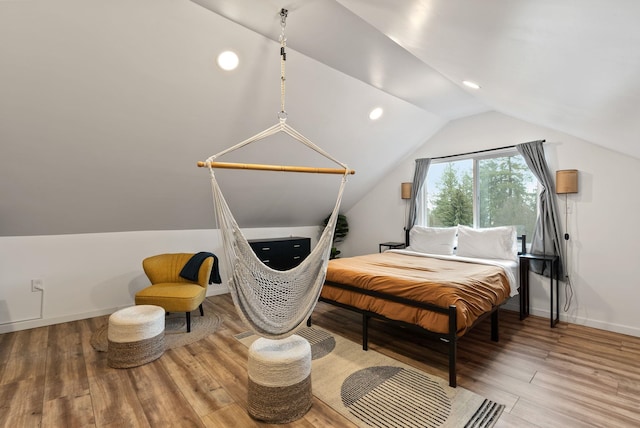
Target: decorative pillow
<point>432,240</point>
<point>488,243</point>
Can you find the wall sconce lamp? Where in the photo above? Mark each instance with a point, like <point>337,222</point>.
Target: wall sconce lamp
<point>405,190</point>
<point>566,182</point>
<point>405,194</point>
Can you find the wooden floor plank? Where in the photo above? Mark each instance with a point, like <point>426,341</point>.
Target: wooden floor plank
<point>566,376</point>
<point>525,410</point>
<point>21,403</point>
<point>6,344</point>
<point>321,415</point>
<point>587,360</point>
<point>508,420</point>
<point>583,408</point>
<point>199,388</point>
<point>629,389</point>
<point>115,400</point>
<point>595,398</point>
<point>66,374</point>
<point>230,416</point>
<point>156,391</point>
<point>64,337</point>
<point>26,357</point>
<point>69,411</point>
<point>26,366</point>
<point>30,341</point>
<point>229,371</point>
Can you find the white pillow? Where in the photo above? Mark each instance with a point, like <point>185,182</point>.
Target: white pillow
<point>432,240</point>
<point>488,243</point>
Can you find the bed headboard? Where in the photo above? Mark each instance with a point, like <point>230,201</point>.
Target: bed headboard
<point>523,244</point>
<point>522,239</point>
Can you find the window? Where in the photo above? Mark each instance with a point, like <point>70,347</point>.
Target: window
<point>481,191</point>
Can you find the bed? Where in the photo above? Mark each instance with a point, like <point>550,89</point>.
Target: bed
<point>443,284</point>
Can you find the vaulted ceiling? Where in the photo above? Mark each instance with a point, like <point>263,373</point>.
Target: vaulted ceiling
<point>570,65</point>
<point>105,107</point>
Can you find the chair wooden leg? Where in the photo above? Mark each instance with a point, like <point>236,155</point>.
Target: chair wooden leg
<point>188,322</point>
<point>201,310</point>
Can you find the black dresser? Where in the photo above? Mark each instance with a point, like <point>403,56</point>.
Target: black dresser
<point>281,253</point>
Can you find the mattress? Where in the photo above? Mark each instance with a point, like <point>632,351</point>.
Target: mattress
<point>474,286</point>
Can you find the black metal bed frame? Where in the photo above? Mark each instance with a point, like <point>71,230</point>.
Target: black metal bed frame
<point>451,337</point>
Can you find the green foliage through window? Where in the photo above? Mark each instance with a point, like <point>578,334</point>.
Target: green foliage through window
<point>453,203</point>
<point>505,193</point>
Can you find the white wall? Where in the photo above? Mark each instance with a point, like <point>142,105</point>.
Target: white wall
<point>601,261</point>
<point>93,274</point>
<point>87,275</point>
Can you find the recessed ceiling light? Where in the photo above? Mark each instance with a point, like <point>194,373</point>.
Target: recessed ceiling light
<point>471,84</point>
<point>228,60</point>
<point>376,113</point>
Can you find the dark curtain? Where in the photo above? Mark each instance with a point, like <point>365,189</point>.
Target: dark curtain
<point>419,178</point>
<point>546,236</point>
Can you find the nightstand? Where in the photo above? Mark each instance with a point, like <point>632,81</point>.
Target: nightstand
<point>525,260</point>
<point>391,245</point>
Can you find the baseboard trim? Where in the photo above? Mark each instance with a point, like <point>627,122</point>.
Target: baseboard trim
<point>600,325</point>
<point>43,322</point>
<point>219,290</point>
<point>28,324</point>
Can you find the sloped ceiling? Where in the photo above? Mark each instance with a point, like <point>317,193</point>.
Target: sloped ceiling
<point>570,65</point>
<point>105,107</point>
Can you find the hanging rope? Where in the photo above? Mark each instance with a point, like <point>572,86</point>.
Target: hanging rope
<point>283,58</point>
<point>280,127</point>
<point>273,303</point>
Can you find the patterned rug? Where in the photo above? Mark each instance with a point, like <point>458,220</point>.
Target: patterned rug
<point>175,330</point>
<point>373,390</point>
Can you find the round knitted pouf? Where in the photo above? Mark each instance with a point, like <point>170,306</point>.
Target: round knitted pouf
<point>279,379</point>
<point>135,336</point>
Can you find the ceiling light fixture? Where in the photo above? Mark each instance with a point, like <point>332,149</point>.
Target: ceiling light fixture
<point>376,113</point>
<point>471,84</point>
<point>228,60</point>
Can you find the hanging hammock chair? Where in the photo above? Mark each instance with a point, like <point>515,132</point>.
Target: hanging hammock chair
<point>273,303</point>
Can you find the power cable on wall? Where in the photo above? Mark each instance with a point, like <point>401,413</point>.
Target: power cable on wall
<point>568,289</point>
<point>41,316</point>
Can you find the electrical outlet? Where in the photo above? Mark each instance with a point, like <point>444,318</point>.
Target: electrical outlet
<point>36,285</point>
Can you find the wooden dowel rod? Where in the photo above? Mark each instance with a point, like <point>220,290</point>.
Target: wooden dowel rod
<point>262,167</point>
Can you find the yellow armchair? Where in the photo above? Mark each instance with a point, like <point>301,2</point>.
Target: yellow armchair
<point>171,291</point>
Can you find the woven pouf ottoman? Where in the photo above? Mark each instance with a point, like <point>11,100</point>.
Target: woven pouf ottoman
<point>135,336</point>
<point>279,379</point>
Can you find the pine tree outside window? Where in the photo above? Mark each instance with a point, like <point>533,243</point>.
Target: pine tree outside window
<point>495,189</point>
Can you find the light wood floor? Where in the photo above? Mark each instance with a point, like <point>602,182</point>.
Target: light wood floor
<point>570,376</point>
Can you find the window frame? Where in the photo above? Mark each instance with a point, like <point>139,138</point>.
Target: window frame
<point>475,158</point>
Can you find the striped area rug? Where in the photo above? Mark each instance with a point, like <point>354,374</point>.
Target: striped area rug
<point>373,390</point>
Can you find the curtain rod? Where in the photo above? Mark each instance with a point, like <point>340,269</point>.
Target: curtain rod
<point>478,151</point>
